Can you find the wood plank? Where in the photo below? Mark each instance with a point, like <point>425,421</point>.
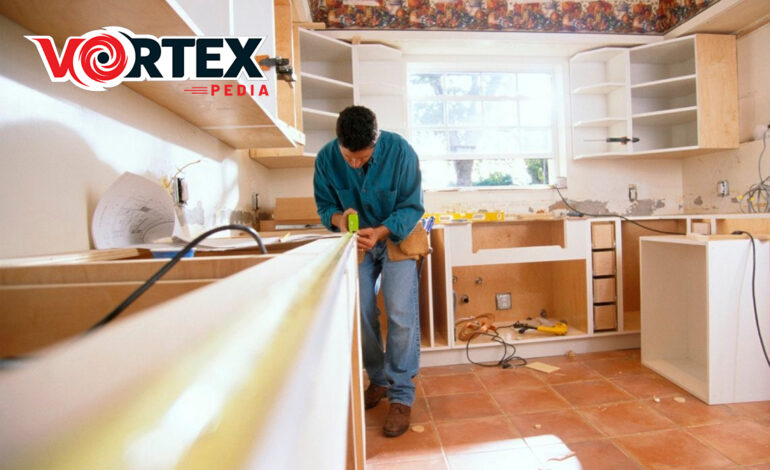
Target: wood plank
<point>602,235</point>
<point>605,317</point>
<point>604,290</point>
<point>286,93</point>
<point>603,263</point>
<point>296,210</point>
<point>755,226</point>
<point>123,271</point>
<point>439,275</point>
<point>515,234</point>
<point>33,317</point>
<point>717,91</point>
<point>78,257</point>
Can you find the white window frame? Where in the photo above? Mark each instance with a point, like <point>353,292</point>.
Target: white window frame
<point>495,64</point>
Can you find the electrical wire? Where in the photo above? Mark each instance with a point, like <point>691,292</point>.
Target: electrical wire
<point>757,192</point>
<point>505,360</point>
<point>612,214</point>
<point>753,290</point>
<point>13,360</point>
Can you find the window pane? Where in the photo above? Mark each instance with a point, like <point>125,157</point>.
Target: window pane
<point>425,84</point>
<point>500,113</point>
<point>437,174</point>
<point>535,84</point>
<point>459,84</point>
<point>502,141</point>
<point>535,140</point>
<point>498,84</point>
<point>429,142</point>
<point>538,170</point>
<point>464,141</point>
<point>464,113</point>
<point>535,112</point>
<point>427,113</point>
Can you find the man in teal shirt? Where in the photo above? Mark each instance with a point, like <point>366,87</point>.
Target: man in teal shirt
<point>376,174</point>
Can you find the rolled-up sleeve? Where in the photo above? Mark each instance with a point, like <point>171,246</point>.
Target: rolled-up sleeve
<point>326,200</point>
<point>409,204</point>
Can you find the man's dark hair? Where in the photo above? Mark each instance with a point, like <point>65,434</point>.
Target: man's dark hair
<point>357,128</point>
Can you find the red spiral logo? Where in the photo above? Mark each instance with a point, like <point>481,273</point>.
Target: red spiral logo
<point>103,58</point>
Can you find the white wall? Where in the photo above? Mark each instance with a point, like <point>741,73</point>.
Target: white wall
<point>738,167</point>
<point>61,147</point>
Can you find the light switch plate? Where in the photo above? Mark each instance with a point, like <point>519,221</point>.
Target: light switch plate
<point>503,301</point>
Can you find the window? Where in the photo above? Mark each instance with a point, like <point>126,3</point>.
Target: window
<point>483,128</point>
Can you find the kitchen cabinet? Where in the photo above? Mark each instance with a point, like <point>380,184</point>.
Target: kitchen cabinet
<point>677,97</point>
<point>241,122</point>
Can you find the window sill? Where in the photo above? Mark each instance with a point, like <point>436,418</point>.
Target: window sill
<point>534,188</point>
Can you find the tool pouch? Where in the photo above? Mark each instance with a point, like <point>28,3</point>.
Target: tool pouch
<point>412,247</point>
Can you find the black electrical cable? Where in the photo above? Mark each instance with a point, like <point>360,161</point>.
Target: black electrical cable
<point>753,291</point>
<point>612,214</point>
<point>505,360</point>
<point>138,292</point>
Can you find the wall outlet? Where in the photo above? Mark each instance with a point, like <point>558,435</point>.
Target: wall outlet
<point>632,194</point>
<point>503,301</point>
<point>723,188</point>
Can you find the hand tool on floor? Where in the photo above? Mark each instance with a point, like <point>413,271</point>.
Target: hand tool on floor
<point>558,328</point>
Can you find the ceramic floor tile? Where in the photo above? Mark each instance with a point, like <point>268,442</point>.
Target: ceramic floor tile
<point>764,466</point>
<point>594,392</point>
<point>746,442</point>
<point>591,455</point>
<point>692,412</point>
<point>569,372</point>
<point>647,386</point>
<point>504,379</point>
<point>554,427</point>
<point>407,447</point>
<point>446,370</point>
<point>518,459</point>
<point>450,384</point>
<point>478,435</point>
<point>529,400</point>
<point>617,367</point>
<point>754,409</point>
<point>375,417</point>
<point>461,406</point>
<point>671,449</point>
<point>625,418</point>
<point>433,464</point>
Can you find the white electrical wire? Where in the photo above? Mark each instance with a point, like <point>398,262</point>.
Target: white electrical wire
<point>753,197</point>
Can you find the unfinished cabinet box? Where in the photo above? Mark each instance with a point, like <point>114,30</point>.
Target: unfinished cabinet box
<point>602,235</point>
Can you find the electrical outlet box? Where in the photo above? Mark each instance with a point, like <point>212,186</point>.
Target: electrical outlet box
<point>503,301</point>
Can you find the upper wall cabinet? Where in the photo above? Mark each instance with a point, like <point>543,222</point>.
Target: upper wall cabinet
<point>325,70</point>
<point>239,121</point>
<point>671,99</point>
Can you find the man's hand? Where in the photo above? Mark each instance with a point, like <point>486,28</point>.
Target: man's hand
<point>341,220</point>
<point>368,237</point>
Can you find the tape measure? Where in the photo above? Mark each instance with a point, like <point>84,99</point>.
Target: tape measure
<point>352,222</point>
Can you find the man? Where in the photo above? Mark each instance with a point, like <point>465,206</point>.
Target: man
<point>376,174</point>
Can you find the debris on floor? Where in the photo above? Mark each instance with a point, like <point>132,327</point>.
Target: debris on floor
<point>418,428</point>
<point>679,399</point>
<point>542,367</point>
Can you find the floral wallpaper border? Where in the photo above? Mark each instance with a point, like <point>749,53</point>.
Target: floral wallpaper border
<point>589,16</point>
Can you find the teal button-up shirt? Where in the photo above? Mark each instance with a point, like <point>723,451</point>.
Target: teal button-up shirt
<point>388,193</point>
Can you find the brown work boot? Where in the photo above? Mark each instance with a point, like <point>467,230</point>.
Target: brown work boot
<point>373,395</point>
<point>397,421</point>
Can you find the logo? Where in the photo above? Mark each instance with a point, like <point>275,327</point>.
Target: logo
<point>105,58</point>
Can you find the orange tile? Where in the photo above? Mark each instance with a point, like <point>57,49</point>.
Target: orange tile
<point>462,405</point>
<point>764,466</point>
<point>433,464</point>
<point>590,455</point>
<point>504,379</point>
<point>407,447</point>
<point>556,360</point>
<point>692,412</point>
<point>554,427</point>
<point>617,367</point>
<point>518,459</point>
<point>375,417</point>
<point>746,442</point>
<point>594,392</point>
<point>450,384</point>
<point>756,409</point>
<point>446,370</point>
<point>571,372</point>
<point>647,386</point>
<point>671,449</point>
<point>625,418</point>
<point>478,435</point>
<point>529,400</point>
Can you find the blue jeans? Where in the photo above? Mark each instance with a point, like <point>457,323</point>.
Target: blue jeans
<point>398,363</point>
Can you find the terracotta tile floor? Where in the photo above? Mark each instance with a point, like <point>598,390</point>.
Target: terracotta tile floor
<point>600,411</point>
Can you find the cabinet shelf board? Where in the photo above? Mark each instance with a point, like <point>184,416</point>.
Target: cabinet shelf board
<point>667,117</point>
<point>598,88</point>
<point>673,152</point>
<point>668,52</point>
<point>314,119</point>
<point>668,88</point>
<point>318,48</point>
<point>157,17</point>
<point>318,87</point>
<point>377,53</point>
<point>604,122</point>
<point>599,55</point>
<point>278,162</point>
